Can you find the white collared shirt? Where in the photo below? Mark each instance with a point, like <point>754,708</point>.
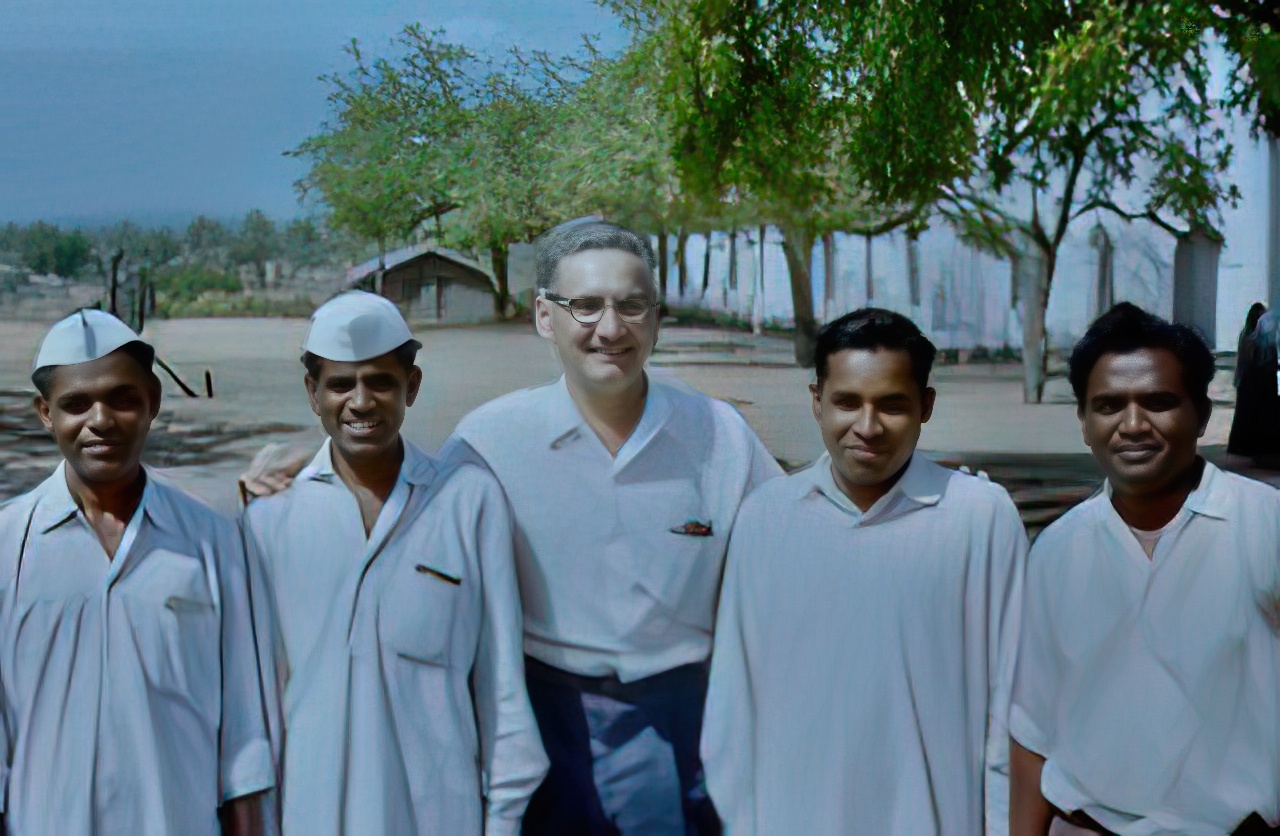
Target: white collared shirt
<point>862,663</point>
<point>131,696</point>
<point>619,557</point>
<point>1150,685</point>
<point>381,643</point>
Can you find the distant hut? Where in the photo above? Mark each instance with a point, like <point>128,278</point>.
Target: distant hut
<point>431,283</point>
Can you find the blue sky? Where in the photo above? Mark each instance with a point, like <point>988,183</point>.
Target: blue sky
<point>158,110</point>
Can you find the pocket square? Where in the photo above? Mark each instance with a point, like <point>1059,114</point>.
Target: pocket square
<point>693,528</point>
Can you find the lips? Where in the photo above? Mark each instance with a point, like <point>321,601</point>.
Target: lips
<point>1134,453</point>
<point>101,448</point>
<point>610,352</point>
<point>865,454</point>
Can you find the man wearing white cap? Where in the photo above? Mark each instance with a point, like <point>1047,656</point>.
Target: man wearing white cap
<point>129,684</point>
<point>396,619</point>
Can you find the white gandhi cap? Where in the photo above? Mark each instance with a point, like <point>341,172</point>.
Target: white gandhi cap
<point>355,326</point>
<point>85,335</point>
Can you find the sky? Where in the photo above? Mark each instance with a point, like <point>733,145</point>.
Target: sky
<point>159,110</point>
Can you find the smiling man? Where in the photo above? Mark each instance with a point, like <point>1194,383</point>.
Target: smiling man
<point>394,612</point>
<point>624,488</point>
<point>130,696</point>
<point>1146,699</point>
<point>865,637</point>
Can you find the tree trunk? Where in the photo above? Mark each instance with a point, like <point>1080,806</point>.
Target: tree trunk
<point>663,258</point>
<point>115,281</point>
<point>828,276</point>
<point>913,269</point>
<point>757,295</point>
<point>1035,277</point>
<point>797,246</point>
<point>871,283</point>
<point>498,254</point>
<point>682,265</point>
<point>706,265</point>
<point>733,260</point>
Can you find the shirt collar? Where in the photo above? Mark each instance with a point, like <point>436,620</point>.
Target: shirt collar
<point>565,422</point>
<point>1211,498</point>
<point>56,506</point>
<point>417,468</point>
<point>922,484</point>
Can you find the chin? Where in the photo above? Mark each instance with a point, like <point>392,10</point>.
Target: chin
<point>101,473</point>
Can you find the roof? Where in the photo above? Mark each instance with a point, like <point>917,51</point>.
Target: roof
<point>404,255</point>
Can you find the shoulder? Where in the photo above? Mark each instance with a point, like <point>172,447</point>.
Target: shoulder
<point>1064,534</point>
<point>189,511</point>
<point>771,493</point>
<point>975,493</point>
<point>498,415</point>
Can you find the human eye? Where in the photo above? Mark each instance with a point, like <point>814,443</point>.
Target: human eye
<point>587,305</point>
<point>633,307</point>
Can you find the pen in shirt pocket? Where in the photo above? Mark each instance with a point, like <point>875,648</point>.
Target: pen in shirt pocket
<point>436,573</point>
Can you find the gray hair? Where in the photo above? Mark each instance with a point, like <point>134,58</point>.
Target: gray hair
<point>564,240</point>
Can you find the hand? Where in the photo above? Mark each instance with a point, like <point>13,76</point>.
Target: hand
<point>272,470</point>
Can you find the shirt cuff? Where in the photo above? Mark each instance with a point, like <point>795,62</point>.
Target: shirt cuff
<point>248,770</point>
<point>1026,732</point>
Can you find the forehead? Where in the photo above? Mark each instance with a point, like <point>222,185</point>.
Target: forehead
<point>382,364</point>
<point>602,273</point>
<point>1143,370</point>
<point>871,372</point>
<point>104,374</point>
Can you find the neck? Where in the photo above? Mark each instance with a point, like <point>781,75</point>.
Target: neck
<point>864,496</point>
<point>618,412</point>
<point>377,475</point>
<point>1152,510</point>
<point>118,499</point>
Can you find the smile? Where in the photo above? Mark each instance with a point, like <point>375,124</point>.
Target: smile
<point>865,455</point>
<point>362,427</point>
<point>1139,453</point>
<point>610,352</point>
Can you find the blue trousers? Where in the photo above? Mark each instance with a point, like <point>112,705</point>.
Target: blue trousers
<point>624,757</point>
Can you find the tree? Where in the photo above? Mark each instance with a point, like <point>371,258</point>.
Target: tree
<point>256,243</point>
<point>45,248</point>
<point>1066,106</point>
<point>206,239</point>
<point>388,159</point>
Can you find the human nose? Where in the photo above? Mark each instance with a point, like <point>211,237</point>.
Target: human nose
<point>361,398</point>
<point>1133,420</point>
<point>867,423</point>
<point>101,418</point>
<point>610,325</point>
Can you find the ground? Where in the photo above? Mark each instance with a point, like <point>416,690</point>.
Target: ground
<point>204,443</point>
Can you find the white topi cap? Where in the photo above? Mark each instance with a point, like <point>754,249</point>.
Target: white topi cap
<point>356,325</point>
<point>85,335</point>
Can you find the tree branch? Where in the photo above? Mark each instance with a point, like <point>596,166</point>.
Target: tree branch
<point>1149,215</point>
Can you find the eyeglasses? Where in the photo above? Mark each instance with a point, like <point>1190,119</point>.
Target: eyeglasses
<point>590,309</point>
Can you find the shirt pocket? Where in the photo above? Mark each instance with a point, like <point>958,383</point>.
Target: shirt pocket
<point>418,608</point>
<point>174,625</point>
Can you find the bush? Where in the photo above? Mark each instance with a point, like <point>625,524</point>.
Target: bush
<point>215,304</point>
<point>186,283</point>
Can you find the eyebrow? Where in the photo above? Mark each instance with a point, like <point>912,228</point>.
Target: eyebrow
<point>92,394</point>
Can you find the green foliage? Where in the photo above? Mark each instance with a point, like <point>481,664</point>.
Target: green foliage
<point>44,248</point>
<point>185,283</point>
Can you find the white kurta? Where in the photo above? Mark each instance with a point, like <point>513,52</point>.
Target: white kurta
<point>608,587</point>
<point>1150,685</point>
<point>404,705</point>
<point>862,662</point>
<point>132,703</point>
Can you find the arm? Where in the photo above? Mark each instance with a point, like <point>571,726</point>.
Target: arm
<point>246,766</point>
<point>728,725</point>
<point>1004,610</point>
<point>1029,813</point>
<point>512,760</point>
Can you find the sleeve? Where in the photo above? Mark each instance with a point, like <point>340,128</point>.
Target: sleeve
<point>513,763</point>
<point>1008,563</point>
<point>728,725</point>
<point>6,751</point>
<point>1036,679</point>
<point>273,663</point>
<point>246,763</point>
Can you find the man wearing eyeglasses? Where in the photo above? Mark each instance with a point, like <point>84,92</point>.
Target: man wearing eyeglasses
<point>624,488</point>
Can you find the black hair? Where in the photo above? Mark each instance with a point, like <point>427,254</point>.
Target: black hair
<point>143,354</point>
<point>1127,328</point>
<point>875,328</point>
<point>406,354</point>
